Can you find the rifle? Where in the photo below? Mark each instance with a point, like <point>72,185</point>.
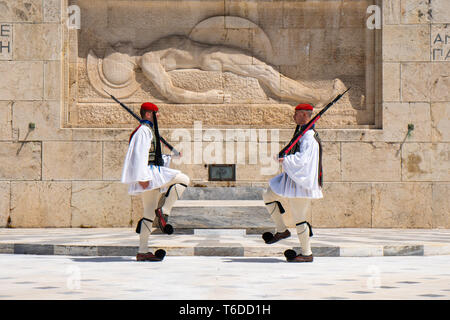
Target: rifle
<point>308,126</point>
<point>176,153</point>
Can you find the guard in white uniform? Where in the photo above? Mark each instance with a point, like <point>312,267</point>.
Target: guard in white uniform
<point>146,172</point>
<point>289,195</point>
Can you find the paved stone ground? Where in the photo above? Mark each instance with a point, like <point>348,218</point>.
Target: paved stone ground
<point>43,277</point>
<point>231,242</point>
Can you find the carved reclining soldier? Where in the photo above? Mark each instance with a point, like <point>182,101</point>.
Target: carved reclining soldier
<point>179,52</point>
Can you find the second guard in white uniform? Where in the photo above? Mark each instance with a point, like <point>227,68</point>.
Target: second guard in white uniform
<point>289,195</point>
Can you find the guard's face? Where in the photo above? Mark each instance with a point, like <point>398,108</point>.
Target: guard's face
<point>301,117</point>
<point>149,115</point>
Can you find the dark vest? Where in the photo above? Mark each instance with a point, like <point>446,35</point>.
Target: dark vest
<point>152,151</point>
<point>296,148</point>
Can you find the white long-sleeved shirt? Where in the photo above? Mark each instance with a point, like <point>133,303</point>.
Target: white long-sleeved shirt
<point>301,171</point>
<point>136,168</point>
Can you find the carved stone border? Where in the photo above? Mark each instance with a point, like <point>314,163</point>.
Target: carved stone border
<point>373,74</point>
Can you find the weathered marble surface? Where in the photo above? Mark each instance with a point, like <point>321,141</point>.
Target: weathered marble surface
<point>5,196</point>
<point>113,157</point>
<point>52,10</point>
<point>37,41</point>
<point>425,162</point>
<point>43,204</point>
<point>397,116</point>
<point>391,82</point>
<point>25,83</point>
<point>424,12</point>
<point>5,120</point>
<point>425,82</point>
<point>20,161</point>
<point>67,160</point>
<point>87,211</point>
<point>440,117</point>
<point>441,203</point>
<point>46,117</point>
<point>331,160</point>
<point>345,205</point>
<point>402,205</point>
<point>406,43</point>
<point>21,11</point>
<point>371,162</point>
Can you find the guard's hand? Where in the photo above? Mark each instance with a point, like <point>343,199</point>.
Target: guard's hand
<point>277,158</point>
<point>177,155</point>
<point>144,184</point>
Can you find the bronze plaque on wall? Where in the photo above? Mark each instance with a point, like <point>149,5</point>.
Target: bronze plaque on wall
<point>222,172</point>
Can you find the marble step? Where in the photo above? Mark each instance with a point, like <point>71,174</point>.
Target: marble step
<point>189,216</point>
<point>223,193</point>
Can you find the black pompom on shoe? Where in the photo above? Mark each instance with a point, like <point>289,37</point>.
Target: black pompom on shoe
<point>168,229</point>
<point>267,236</point>
<point>290,254</point>
<point>160,253</point>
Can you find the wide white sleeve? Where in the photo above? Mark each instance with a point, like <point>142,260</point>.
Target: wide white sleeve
<point>301,167</point>
<point>135,166</point>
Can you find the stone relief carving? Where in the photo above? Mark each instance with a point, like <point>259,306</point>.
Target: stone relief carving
<point>219,64</point>
<point>115,73</point>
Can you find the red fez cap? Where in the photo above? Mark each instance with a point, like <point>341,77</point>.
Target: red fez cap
<point>148,106</point>
<point>304,106</point>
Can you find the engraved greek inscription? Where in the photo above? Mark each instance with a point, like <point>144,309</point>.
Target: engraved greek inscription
<point>438,39</point>
<point>5,46</point>
<point>5,42</point>
<point>440,50</point>
<point>5,30</point>
<point>439,53</point>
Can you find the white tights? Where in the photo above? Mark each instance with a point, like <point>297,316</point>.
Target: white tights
<point>298,207</point>
<point>154,199</point>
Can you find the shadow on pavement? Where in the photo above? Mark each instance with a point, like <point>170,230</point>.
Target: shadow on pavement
<point>255,260</point>
<point>130,259</point>
<point>104,259</point>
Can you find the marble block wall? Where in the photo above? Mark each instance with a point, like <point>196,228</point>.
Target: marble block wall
<point>376,176</point>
